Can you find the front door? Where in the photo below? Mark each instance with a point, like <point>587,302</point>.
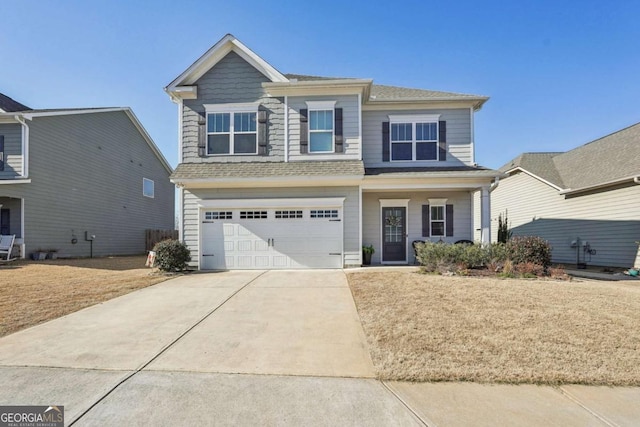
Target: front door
<point>394,235</point>
<point>4,222</point>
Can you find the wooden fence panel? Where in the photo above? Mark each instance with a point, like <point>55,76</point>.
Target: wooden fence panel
<point>154,236</point>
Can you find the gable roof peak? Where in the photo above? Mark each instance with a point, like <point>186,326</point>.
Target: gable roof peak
<point>228,43</point>
<point>10,105</point>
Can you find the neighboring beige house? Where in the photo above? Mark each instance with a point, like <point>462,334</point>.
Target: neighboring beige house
<point>591,193</point>
<point>295,171</point>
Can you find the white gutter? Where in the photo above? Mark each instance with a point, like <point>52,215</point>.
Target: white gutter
<point>25,146</point>
<point>286,128</point>
<point>634,178</point>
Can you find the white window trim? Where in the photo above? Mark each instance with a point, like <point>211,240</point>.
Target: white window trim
<point>322,106</point>
<point>232,132</point>
<point>244,107</point>
<point>413,119</point>
<point>153,188</point>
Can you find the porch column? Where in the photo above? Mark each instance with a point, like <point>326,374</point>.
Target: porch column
<point>485,215</point>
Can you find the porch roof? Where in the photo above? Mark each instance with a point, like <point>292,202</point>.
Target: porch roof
<point>432,172</point>
<point>186,171</point>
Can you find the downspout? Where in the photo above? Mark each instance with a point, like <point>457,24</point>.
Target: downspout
<point>473,136</point>
<point>360,126</point>
<point>637,179</point>
<point>494,184</point>
<point>25,146</point>
<point>286,128</point>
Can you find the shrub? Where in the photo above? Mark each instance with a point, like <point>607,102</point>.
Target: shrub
<point>530,269</point>
<point>445,257</point>
<point>529,249</point>
<point>171,255</point>
<point>498,253</point>
<point>504,234</point>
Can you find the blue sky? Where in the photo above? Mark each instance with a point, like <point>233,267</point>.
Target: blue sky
<point>559,74</point>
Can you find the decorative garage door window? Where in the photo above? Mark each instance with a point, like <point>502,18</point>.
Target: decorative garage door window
<point>288,214</point>
<point>209,215</point>
<point>253,214</point>
<point>319,213</point>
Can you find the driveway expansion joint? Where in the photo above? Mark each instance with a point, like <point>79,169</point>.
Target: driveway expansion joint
<point>578,402</point>
<point>164,349</point>
<point>406,405</point>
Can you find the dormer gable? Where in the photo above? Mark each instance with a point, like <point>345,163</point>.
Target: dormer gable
<point>183,86</point>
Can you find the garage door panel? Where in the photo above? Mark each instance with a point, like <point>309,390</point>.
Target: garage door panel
<point>273,242</point>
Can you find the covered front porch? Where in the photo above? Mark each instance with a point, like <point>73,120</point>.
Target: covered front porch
<point>401,207</point>
<point>12,222</point>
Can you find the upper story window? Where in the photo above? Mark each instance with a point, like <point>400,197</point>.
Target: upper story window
<point>414,137</point>
<point>321,126</point>
<point>232,129</point>
<point>148,189</point>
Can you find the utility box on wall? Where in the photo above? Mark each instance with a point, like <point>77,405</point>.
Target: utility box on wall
<point>89,236</point>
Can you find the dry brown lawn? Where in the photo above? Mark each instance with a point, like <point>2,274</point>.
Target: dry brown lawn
<point>32,292</point>
<point>432,328</point>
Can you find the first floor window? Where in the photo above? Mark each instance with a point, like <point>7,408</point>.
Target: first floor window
<point>231,133</point>
<point>437,221</point>
<point>147,188</point>
<point>321,131</point>
<point>414,141</point>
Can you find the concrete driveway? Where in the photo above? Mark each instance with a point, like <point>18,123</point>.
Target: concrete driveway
<point>256,348</point>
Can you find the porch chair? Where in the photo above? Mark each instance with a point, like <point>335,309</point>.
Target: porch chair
<point>6,245</point>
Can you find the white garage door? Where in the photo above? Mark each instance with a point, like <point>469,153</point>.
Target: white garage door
<point>271,238</point>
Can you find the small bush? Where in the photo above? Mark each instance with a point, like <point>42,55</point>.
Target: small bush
<point>530,269</point>
<point>171,255</point>
<point>529,249</point>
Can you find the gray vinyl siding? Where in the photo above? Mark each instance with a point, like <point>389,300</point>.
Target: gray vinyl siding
<point>86,174</point>
<point>12,150</point>
<point>459,147</point>
<point>608,220</point>
<point>351,127</point>
<point>371,216</point>
<point>232,80</point>
<point>350,214</point>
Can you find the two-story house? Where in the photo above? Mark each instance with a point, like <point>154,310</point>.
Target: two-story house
<point>69,174</point>
<point>294,171</point>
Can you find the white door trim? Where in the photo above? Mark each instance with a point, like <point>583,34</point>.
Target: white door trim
<point>395,203</point>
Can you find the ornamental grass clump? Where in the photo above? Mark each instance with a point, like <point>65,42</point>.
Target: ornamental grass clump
<point>172,255</point>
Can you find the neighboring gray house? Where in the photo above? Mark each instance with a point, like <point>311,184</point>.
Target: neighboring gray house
<point>295,171</point>
<point>590,193</point>
<point>66,174</point>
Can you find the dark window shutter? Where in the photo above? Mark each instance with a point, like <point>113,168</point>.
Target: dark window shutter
<point>449,218</point>
<point>426,226</point>
<point>442,141</point>
<point>385,141</point>
<point>202,134</point>
<point>304,131</point>
<point>262,133</point>
<point>1,152</point>
<point>338,131</point>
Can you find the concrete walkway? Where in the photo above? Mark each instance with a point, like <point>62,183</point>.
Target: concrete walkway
<point>257,348</point>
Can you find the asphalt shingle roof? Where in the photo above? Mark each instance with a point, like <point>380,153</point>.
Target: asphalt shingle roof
<point>539,164</point>
<point>10,105</point>
<point>268,169</point>
<point>390,93</point>
<point>415,172</point>
<point>615,156</point>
